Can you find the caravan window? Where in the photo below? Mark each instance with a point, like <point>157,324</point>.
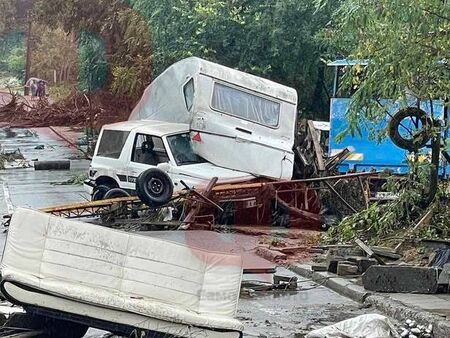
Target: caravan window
<point>245,105</point>
<point>188,91</point>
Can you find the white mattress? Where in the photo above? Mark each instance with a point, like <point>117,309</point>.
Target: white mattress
<point>98,266</point>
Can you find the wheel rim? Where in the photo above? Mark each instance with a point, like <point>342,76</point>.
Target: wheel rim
<point>155,186</point>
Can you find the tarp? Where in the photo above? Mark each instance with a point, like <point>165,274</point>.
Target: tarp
<point>128,272</point>
<point>365,326</point>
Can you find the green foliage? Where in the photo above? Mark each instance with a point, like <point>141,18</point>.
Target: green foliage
<point>60,93</point>
<point>12,55</point>
<point>132,61</point>
<point>54,50</point>
<point>125,36</point>
<point>406,43</point>
<point>382,220</point>
<point>16,62</point>
<point>93,66</point>
<point>7,15</point>
<point>274,39</point>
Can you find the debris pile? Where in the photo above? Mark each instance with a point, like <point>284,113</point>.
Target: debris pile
<point>78,109</point>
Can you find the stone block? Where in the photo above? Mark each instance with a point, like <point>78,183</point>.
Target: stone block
<point>444,277</point>
<point>319,267</point>
<point>406,279</point>
<point>332,263</point>
<point>346,269</point>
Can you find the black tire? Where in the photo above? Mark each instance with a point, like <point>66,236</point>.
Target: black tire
<point>115,193</point>
<point>417,141</point>
<point>57,328</point>
<point>154,187</point>
<point>99,192</point>
<point>53,328</point>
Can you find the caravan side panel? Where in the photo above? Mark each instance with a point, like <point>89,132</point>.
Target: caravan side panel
<point>243,130</point>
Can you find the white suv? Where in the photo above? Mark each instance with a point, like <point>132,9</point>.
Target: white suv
<point>162,150</point>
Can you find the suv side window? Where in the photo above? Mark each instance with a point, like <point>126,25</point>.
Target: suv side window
<point>149,150</point>
<point>111,143</point>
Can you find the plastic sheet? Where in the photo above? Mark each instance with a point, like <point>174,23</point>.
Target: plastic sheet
<point>365,326</point>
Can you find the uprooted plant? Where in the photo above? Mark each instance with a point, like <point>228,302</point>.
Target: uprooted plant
<point>399,217</point>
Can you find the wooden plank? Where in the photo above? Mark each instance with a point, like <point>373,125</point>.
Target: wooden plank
<point>317,147</point>
<point>369,251</point>
<point>196,207</point>
<point>364,192</point>
<point>237,186</point>
<point>301,213</point>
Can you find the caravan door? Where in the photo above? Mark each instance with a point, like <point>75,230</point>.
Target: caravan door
<point>241,129</point>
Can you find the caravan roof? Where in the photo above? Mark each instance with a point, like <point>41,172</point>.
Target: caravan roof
<point>164,99</point>
<point>239,78</point>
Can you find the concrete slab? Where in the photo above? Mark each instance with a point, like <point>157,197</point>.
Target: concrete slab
<point>401,279</point>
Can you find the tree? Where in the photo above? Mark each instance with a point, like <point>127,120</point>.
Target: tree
<point>124,47</point>
<point>54,50</point>
<point>407,43</point>
<point>274,39</point>
<point>7,15</point>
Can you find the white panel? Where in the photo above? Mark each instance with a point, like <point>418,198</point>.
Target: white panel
<point>152,277</point>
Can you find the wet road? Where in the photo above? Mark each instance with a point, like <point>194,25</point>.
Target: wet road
<point>265,314</point>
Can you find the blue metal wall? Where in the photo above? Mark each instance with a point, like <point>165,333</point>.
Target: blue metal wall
<point>368,154</point>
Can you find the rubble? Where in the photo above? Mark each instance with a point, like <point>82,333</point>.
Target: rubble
<point>96,110</point>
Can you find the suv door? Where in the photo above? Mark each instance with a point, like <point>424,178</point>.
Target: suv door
<point>148,151</point>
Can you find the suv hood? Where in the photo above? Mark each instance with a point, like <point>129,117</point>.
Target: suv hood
<point>206,171</point>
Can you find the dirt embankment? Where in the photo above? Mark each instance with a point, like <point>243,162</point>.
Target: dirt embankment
<point>93,110</point>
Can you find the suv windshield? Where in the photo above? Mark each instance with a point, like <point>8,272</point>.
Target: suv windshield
<point>180,145</point>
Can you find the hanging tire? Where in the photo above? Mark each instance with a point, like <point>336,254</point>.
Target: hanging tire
<point>99,192</point>
<point>154,187</point>
<point>115,193</point>
<point>417,140</point>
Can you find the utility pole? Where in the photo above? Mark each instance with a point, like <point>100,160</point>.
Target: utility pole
<point>29,50</point>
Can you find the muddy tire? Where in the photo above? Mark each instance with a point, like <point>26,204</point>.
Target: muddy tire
<point>154,187</point>
<point>115,193</point>
<point>99,192</point>
<point>419,139</point>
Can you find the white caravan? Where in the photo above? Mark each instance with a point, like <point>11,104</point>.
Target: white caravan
<point>237,120</point>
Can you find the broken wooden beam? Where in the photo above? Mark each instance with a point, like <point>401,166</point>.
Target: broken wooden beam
<point>369,251</point>
<point>196,206</point>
